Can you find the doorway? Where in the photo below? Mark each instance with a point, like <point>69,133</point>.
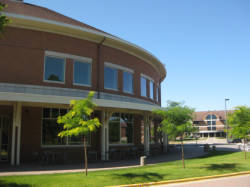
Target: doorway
<point>5,125</point>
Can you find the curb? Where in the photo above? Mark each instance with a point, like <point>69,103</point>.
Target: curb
<point>184,180</point>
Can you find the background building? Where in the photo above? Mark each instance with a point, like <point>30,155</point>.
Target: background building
<point>211,123</point>
<point>48,59</point>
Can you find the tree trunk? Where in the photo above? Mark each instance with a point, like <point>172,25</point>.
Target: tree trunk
<point>161,141</point>
<point>245,149</point>
<point>182,153</point>
<point>85,156</point>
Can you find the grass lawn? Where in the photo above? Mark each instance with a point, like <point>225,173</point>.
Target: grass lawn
<point>211,164</point>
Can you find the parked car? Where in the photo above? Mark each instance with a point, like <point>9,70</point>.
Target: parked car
<point>237,140</point>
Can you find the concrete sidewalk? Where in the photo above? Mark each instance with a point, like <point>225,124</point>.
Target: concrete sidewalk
<point>36,169</point>
<point>235,181</point>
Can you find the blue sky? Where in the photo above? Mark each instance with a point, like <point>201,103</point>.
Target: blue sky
<point>205,44</point>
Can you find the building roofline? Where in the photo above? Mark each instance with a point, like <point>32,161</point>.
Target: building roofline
<point>41,24</point>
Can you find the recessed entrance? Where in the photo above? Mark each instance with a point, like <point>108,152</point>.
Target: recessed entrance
<point>5,125</point>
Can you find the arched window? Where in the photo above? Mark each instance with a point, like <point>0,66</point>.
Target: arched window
<point>208,117</point>
<point>211,119</point>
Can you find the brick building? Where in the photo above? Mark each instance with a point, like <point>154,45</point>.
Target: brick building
<point>48,59</point>
<point>211,123</point>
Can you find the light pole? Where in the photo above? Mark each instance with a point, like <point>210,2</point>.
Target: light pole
<point>226,118</point>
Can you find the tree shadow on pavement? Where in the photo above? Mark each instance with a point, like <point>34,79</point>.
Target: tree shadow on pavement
<point>142,176</point>
<point>12,184</point>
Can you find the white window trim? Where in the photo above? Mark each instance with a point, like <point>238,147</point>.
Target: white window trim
<point>132,93</point>
<point>147,77</point>
<point>64,63</point>
<point>65,55</point>
<point>78,84</point>
<point>116,66</point>
<point>116,80</point>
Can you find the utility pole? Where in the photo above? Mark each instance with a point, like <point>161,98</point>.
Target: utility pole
<point>226,118</point>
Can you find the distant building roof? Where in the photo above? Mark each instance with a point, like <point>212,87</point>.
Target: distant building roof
<point>200,116</point>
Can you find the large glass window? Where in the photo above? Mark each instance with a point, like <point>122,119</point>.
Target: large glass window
<point>82,73</point>
<point>127,82</point>
<point>151,86</point>
<point>121,128</point>
<point>211,121</point>
<point>54,69</point>
<point>50,129</point>
<point>157,93</point>
<point>152,132</point>
<point>143,87</point>
<point>110,78</point>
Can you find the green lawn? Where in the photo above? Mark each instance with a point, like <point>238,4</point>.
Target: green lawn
<point>212,164</point>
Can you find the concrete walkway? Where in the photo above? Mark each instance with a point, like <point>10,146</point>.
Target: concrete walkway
<point>236,181</point>
<point>36,169</point>
<point>221,144</point>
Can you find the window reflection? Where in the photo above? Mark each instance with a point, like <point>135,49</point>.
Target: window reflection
<point>151,85</point>
<point>211,120</point>
<point>54,69</point>
<point>121,128</point>
<point>127,82</point>
<point>110,78</point>
<point>82,73</point>
<point>143,87</point>
<point>50,129</point>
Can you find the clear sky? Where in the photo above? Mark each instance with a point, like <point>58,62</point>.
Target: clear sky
<point>204,44</point>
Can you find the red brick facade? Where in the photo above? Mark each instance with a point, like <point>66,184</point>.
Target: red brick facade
<point>24,60</point>
<point>22,52</point>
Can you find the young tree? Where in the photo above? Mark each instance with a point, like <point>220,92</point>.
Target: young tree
<point>239,123</point>
<point>3,19</point>
<point>176,122</point>
<point>78,121</point>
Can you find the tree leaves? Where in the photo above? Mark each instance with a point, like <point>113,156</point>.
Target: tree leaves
<point>3,19</point>
<point>78,119</point>
<point>239,122</point>
<point>177,119</point>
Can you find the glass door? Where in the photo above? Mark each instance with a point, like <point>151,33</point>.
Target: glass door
<point>4,138</point>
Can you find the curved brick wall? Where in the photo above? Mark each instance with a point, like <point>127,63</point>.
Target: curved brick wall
<point>22,54</point>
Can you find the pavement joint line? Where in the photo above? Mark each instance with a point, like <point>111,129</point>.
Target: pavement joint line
<point>184,180</point>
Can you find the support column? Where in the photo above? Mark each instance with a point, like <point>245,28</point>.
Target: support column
<point>13,139</point>
<point>18,124</point>
<point>165,142</point>
<point>146,135</point>
<point>105,135</point>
